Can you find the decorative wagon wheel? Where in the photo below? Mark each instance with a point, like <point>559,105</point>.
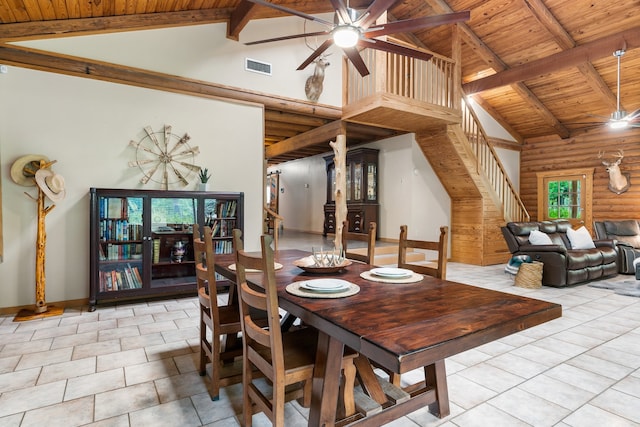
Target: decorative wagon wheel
<point>165,158</point>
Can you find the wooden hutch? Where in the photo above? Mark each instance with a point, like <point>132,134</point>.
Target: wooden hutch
<point>362,190</point>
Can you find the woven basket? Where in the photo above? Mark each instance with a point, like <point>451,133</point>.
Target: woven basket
<point>529,275</point>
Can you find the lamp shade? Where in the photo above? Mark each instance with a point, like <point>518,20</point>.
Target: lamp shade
<point>346,36</point>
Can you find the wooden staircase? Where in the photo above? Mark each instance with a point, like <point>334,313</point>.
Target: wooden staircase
<point>482,197</point>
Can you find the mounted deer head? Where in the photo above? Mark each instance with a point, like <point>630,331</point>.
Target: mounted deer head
<point>313,86</point>
<point>618,182</point>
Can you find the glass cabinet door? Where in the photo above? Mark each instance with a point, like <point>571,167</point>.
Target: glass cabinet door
<point>120,244</point>
<point>172,236</point>
<point>371,182</point>
<point>357,181</point>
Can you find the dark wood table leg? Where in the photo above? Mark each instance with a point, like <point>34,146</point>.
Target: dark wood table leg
<point>326,381</point>
<point>436,376</point>
<point>368,379</point>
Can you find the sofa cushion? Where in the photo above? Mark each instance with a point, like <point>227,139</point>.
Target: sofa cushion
<point>628,227</point>
<point>539,238</point>
<point>580,238</point>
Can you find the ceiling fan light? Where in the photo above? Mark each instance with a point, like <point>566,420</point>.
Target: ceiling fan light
<point>346,36</point>
<point>618,124</point>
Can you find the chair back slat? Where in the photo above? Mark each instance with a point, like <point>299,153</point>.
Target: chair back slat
<point>204,256</point>
<point>254,300</point>
<point>369,238</point>
<point>440,270</point>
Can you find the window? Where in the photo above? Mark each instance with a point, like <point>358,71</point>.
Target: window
<point>566,194</point>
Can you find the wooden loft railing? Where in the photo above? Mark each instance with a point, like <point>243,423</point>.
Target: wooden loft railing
<point>432,82</point>
<point>487,162</point>
<point>427,81</point>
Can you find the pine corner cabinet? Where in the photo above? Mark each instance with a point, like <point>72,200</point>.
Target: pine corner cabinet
<point>362,190</point>
<point>141,241</point>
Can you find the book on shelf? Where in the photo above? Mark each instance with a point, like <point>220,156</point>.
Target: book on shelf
<point>156,251</point>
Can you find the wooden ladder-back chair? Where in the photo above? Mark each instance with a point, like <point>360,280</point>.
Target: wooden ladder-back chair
<point>283,358</point>
<point>216,322</point>
<point>369,238</point>
<point>440,270</point>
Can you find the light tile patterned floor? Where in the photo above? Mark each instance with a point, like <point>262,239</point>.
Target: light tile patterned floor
<point>136,365</point>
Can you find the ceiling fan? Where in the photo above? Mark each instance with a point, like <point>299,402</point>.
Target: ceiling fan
<point>352,30</point>
<point>619,119</point>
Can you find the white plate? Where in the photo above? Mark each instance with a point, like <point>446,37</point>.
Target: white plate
<point>395,273</point>
<point>326,285</point>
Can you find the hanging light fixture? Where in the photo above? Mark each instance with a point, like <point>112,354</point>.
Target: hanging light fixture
<point>619,118</point>
<point>346,36</point>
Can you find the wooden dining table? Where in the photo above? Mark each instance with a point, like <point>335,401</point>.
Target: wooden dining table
<point>398,327</point>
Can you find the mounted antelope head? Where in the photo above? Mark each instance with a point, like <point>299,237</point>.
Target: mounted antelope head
<point>313,87</point>
<point>618,182</point>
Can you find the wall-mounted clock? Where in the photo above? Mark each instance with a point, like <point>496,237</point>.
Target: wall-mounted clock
<point>165,158</point>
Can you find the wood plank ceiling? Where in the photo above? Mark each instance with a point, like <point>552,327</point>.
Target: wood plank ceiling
<point>539,67</point>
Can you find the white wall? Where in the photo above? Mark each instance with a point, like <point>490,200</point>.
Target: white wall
<point>86,126</point>
<point>203,52</point>
<point>409,191</point>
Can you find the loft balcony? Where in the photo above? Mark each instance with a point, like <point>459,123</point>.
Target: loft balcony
<point>402,93</point>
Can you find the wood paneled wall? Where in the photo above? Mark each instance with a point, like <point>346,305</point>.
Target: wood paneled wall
<point>548,154</point>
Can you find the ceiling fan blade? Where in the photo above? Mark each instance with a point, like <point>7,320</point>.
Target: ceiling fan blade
<point>354,56</point>
<point>341,10</point>
<point>295,36</point>
<point>373,12</point>
<point>324,46</point>
<point>394,48</point>
<point>292,12</point>
<point>409,25</point>
<point>634,115</point>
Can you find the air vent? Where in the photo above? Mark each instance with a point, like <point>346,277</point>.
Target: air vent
<point>257,66</point>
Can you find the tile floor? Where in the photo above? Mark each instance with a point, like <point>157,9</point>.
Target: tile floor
<point>136,365</point>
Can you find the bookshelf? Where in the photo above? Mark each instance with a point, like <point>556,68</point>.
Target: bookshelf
<point>141,243</point>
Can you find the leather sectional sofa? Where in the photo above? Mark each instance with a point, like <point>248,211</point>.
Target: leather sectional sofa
<point>563,265</point>
<point>626,235</point>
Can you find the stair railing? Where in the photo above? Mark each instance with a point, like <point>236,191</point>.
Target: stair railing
<point>488,163</point>
<point>432,82</point>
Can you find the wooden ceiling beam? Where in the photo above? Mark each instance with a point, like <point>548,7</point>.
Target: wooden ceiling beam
<point>324,133</point>
<point>588,52</point>
<point>565,41</point>
<point>239,19</point>
<point>497,64</point>
<point>112,24</point>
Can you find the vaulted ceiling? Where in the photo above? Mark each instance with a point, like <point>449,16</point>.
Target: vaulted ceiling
<point>539,67</point>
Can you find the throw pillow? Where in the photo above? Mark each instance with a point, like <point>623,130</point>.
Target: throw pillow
<point>539,238</point>
<point>580,238</point>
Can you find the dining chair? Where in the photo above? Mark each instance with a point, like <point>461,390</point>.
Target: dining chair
<point>369,238</point>
<point>440,247</point>
<point>217,322</point>
<point>439,271</point>
<point>283,358</point>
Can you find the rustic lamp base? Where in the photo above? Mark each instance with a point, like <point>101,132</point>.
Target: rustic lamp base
<point>26,314</point>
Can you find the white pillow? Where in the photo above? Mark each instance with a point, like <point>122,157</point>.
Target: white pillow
<point>539,238</point>
<point>580,238</point>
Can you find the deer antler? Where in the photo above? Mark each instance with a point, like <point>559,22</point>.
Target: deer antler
<point>620,156</point>
<point>600,156</point>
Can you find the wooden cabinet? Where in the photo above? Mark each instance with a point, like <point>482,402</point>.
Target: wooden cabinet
<point>362,190</point>
<point>141,242</point>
